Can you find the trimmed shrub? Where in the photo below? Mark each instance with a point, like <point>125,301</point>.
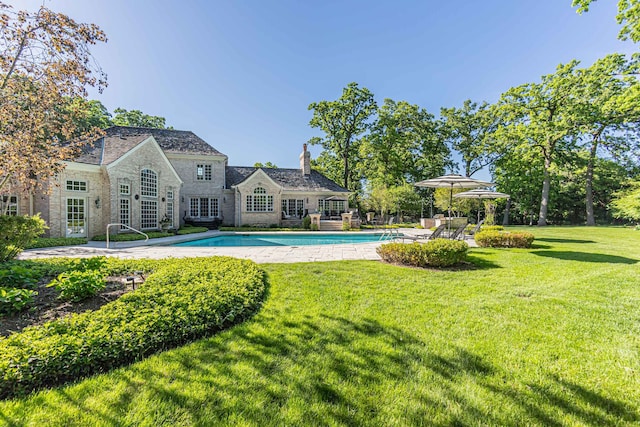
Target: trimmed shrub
<point>498,239</point>
<point>128,237</point>
<point>13,300</point>
<point>435,253</point>
<point>492,228</point>
<point>313,227</point>
<point>306,222</point>
<point>18,232</point>
<point>182,301</point>
<point>49,242</point>
<point>191,230</point>
<point>78,285</point>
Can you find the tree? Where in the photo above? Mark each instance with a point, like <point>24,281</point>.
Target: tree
<point>539,118</point>
<point>467,129</point>
<point>626,203</point>
<point>45,63</point>
<point>404,146</point>
<point>268,165</point>
<point>137,118</point>
<point>628,16</point>
<point>95,114</point>
<point>343,121</point>
<point>606,123</point>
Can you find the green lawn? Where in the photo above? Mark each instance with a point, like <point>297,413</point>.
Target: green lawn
<point>547,336</point>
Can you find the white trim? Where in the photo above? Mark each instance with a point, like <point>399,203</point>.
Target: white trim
<point>81,167</point>
<point>258,174</point>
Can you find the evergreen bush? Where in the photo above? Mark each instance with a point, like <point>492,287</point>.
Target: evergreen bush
<point>435,253</point>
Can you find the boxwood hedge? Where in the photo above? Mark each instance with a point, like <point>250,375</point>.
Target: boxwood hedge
<point>500,239</point>
<point>434,253</point>
<point>181,301</point>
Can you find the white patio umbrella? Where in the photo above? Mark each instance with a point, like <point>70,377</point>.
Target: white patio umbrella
<point>453,181</point>
<point>481,194</point>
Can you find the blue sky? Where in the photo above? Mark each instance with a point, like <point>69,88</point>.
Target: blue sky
<point>241,74</point>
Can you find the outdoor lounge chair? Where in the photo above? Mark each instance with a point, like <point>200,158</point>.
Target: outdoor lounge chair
<point>475,229</point>
<point>458,233</point>
<point>437,232</point>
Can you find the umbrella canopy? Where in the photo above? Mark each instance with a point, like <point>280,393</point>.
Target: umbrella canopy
<point>481,194</point>
<point>451,182</point>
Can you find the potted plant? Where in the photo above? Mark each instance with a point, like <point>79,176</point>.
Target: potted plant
<point>165,223</point>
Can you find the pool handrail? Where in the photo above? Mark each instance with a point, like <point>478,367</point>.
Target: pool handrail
<point>125,226</point>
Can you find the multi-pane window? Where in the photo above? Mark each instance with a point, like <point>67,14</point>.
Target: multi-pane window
<point>148,214</point>
<point>204,172</point>
<point>125,213</point>
<point>332,207</point>
<point>259,201</point>
<point>148,183</point>
<point>76,185</point>
<point>293,207</point>
<point>125,189</point>
<point>9,205</point>
<point>76,217</point>
<point>169,212</point>
<point>204,207</point>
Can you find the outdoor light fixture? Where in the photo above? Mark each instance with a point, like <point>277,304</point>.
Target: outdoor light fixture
<point>98,204</point>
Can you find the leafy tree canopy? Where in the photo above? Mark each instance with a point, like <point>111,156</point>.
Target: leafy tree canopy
<point>45,63</point>
<point>137,118</point>
<point>628,16</point>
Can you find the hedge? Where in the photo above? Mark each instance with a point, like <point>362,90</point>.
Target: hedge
<point>50,242</point>
<point>497,239</point>
<point>435,253</point>
<point>182,301</point>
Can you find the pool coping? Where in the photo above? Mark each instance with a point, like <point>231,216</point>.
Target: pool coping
<point>159,248</point>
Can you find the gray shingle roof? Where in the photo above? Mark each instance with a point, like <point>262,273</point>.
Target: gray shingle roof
<point>120,139</point>
<point>171,141</point>
<point>289,179</point>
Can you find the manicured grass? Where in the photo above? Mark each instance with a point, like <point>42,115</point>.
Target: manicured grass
<point>541,336</point>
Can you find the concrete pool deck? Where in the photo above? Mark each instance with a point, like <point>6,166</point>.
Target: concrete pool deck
<point>158,248</point>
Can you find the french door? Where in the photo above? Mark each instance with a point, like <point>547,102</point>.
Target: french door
<point>76,217</point>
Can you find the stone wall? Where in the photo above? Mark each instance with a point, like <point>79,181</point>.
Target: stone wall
<point>127,170</point>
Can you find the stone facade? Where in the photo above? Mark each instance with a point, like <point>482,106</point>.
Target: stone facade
<point>111,182</point>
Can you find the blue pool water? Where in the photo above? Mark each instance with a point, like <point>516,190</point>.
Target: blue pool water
<point>280,239</point>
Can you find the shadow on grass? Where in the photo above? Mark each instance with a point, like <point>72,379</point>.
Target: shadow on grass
<point>586,257</point>
<point>554,240</point>
<point>478,263</point>
<point>324,370</point>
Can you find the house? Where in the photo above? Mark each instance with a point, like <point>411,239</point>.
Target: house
<point>136,177</point>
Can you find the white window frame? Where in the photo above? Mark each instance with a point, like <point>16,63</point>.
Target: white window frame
<point>204,172</point>
<point>77,185</point>
<point>259,201</point>
<point>9,204</point>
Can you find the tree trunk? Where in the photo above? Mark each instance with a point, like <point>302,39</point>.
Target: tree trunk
<point>589,181</point>
<point>546,185</point>
<point>505,218</point>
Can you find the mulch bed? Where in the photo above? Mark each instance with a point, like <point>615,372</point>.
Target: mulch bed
<point>46,306</point>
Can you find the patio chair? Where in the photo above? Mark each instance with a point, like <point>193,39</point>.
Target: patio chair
<point>458,233</point>
<point>437,232</point>
<point>475,229</point>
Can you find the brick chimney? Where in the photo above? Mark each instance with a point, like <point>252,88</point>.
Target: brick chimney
<point>305,161</point>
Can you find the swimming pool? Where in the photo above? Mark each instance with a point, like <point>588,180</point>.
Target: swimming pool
<point>282,239</point>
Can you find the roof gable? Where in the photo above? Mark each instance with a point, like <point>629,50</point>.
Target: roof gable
<point>288,179</point>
